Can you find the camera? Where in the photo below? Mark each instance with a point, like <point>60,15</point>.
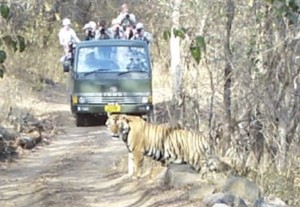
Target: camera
<point>117,33</point>
<point>90,33</point>
<point>127,16</point>
<point>139,31</point>
<point>130,34</point>
<point>102,31</point>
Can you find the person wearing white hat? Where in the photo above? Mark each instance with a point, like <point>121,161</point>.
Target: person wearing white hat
<point>141,34</point>
<point>90,30</point>
<point>139,25</point>
<point>67,35</point>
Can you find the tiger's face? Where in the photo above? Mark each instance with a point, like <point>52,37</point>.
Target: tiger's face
<point>118,125</point>
<point>112,124</point>
<point>124,128</point>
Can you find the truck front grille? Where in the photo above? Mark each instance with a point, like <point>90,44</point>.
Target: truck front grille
<point>105,100</point>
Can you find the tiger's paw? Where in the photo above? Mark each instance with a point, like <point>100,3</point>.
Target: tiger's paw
<point>126,176</point>
<point>135,177</point>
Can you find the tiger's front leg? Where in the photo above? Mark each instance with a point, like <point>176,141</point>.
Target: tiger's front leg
<point>138,163</point>
<point>130,164</point>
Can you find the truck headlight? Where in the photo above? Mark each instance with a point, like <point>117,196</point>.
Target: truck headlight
<point>74,99</point>
<point>150,99</point>
<point>81,100</point>
<point>145,99</point>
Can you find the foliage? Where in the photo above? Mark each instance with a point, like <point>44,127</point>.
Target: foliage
<point>289,9</point>
<point>179,32</point>
<point>4,10</point>
<point>197,45</point>
<point>166,35</point>
<point>265,46</point>
<point>8,37</point>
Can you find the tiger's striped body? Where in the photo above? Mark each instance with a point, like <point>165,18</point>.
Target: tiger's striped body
<point>163,143</point>
<point>188,147</point>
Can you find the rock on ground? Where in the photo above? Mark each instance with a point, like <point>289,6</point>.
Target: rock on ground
<point>224,198</point>
<point>199,192</point>
<point>178,176</point>
<point>243,188</point>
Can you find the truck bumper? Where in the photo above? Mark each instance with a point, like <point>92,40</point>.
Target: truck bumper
<point>141,109</point>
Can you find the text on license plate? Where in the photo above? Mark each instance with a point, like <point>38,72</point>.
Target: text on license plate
<point>112,108</point>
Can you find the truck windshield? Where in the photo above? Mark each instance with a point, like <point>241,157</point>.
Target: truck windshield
<point>111,59</point>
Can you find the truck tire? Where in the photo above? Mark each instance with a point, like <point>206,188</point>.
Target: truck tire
<point>80,120</point>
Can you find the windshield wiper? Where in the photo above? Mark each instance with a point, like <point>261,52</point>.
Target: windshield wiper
<point>130,71</point>
<point>96,71</point>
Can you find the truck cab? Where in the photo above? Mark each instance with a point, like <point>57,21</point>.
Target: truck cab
<point>109,76</point>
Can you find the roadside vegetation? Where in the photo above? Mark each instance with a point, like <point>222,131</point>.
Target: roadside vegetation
<point>231,69</point>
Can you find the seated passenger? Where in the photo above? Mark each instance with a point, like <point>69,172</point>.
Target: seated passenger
<point>136,64</point>
<point>91,61</point>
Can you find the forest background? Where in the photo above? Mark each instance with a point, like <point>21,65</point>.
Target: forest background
<point>231,68</point>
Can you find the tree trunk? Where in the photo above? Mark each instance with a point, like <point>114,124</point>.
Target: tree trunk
<point>175,49</point>
<point>228,73</point>
<point>282,154</point>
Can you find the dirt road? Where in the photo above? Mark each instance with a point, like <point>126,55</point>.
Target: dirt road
<point>81,167</point>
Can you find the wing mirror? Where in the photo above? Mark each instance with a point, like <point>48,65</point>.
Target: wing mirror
<point>66,66</point>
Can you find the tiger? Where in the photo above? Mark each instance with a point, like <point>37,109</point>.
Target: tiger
<point>167,144</point>
<point>141,139</point>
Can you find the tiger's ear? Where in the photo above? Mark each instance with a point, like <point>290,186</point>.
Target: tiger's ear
<point>122,117</point>
<point>126,118</point>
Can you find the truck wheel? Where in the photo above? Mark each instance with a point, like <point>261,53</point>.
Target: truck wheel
<point>80,120</point>
<point>102,120</point>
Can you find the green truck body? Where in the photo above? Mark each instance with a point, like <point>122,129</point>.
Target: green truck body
<point>110,76</point>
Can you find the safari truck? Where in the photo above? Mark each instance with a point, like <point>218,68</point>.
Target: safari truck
<point>109,76</point>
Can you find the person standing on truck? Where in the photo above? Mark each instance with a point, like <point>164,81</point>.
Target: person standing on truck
<point>67,36</point>
<point>126,18</point>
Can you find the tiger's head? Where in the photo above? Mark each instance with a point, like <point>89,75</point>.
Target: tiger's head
<point>112,124</point>
<point>118,125</point>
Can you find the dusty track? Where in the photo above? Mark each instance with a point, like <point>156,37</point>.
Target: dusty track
<point>80,168</point>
